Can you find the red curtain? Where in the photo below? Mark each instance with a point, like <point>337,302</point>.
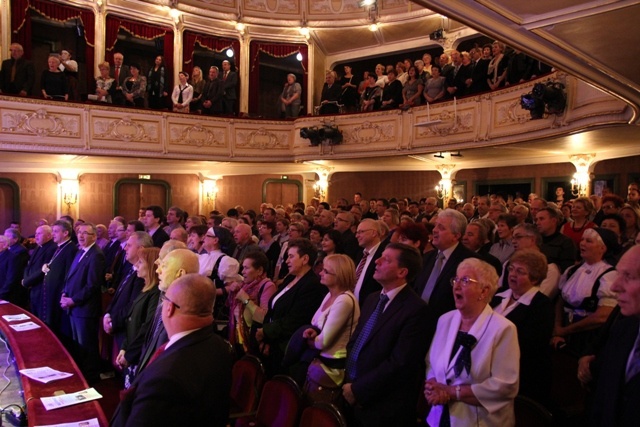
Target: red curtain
<point>141,31</point>
<point>21,25</point>
<point>215,44</point>
<point>277,50</point>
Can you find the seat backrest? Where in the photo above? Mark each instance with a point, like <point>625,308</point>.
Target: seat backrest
<point>322,414</point>
<point>246,384</point>
<point>530,413</point>
<point>279,403</point>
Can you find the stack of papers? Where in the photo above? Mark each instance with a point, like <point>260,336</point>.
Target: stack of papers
<point>26,326</point>
<point>55,402</point>
<point>15,317</point>
<point>44,374</point>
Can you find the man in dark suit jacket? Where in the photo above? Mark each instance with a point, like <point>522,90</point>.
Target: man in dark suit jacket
<point>114,320</point>
<point>343,223</point>
<point>12,289</point>
<point>81,299</point>
<point>449,229</point>
<point>213,93</point>
<point>17,75</point>
<point>617,366</point>
<point>386,353</point>
<point>229,85</point>
<point>475,239</point>
<point>34,274</point>
<point>153,220</point>
<point>120,72</point>
<point>56,270</point>
<point>189,382</point>
<point>369,238</point>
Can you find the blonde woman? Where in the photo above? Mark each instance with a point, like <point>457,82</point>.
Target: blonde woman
<point>104,83</point>
<point>198,88</point>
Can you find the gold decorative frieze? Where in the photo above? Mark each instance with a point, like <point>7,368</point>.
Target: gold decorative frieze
<point>368,133</point>
<point>125,129</point>
<point>511,112</point>
<point>447,122</point>
<point>271,6</point>
<point>41,123</point>
<point>262,139</point>
<point>197,135</point>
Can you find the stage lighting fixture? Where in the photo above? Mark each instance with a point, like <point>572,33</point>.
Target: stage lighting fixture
<point>554,97</point>
<point>533,104</point>
<point>331,134</point>
<point>312,134</point>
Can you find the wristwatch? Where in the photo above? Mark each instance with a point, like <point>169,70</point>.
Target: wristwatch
<point>245,302</point>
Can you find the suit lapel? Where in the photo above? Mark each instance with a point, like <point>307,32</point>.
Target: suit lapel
<point>390,311</point>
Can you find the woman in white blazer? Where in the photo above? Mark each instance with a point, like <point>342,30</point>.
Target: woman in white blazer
<point>474,361</point>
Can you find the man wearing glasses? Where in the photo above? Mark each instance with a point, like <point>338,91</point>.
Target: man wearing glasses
<point>81,300</point>
<point>188,381</point>
<point>369,235</point>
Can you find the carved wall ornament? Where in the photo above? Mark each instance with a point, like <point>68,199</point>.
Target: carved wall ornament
<point>451,122</point>
<point>197,135</point>
<point>41,123</point>
<point>262,139</point>
<point>368,133</point>
<point>125,129</point>
<point>512,113</point>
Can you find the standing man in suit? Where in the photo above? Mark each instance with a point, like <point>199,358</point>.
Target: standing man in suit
<point>617,366</point>
<point>12,289</point>
<point>189,381</point>
<point>213,93</point>
<point>433,282</point>
<point>55,273</point>
<point>120,73</point>
<point>229,84</point>
<point>153,220</point>
<point>386,353</point>
<point>369,235</point>
<point>81,300</point>
<point>17,75</point>
<point>113,322</point>
<point>34,273</point>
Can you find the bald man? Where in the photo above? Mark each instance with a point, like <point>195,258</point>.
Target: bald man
<point>171,266</point>
<point>188,383</point>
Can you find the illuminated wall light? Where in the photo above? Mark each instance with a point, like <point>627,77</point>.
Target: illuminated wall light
<point>299,57</point>
<point>240,27</point>
<point>374,27</point>
<point>175,13</point>
<point>304,31</point>
<point>230,53</point>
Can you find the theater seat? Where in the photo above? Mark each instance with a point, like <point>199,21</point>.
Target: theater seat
<point>322,414</point>
<point>247,380</point>
<point>279,405</point>
<point>530,413</point>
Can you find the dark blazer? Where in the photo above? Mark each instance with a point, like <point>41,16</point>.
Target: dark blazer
<point>391,366</point>
<point>151,341</point>
<point>187,385</point>
<point>159,237</point>
<point>214,92</point>
<point>534,323</point>
<point>559,250</point>
<point>479,76</point>
<point>392,92</point>
<point>84,284</point>
<point>229,85</point>
<point>12,289</point>
<point>350,245</point>
<point>34,276</point>
<point>369,284</point>
<point>50,311</point>
<point>124,74</point>
<point>458,80</point>
<point>616,402</point>
<point>127,291</point>
<point>138,322</point>
<point>295,308</point>
<point>441,299</point>
<point>25,76</point>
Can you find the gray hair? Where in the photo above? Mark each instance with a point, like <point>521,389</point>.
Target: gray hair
<point>485,274</point>
<point>292,75</point>
<point>458,220</point>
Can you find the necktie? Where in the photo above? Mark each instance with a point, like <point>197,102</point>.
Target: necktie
<point>117,76</point>
<point>158,352</point>
<point>14,69</point>
<point>433,278</point>
<point>225,75</point>
<point>76,260</point>
<point>633,367</point>
<point>352,358</point>
<point>361,265</point>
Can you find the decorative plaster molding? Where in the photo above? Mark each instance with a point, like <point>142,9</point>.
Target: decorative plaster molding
<point>41,123</point>
<point>125,129</point>
<point>263,139</point>
<point>197,135</point>
<point>368,133</point>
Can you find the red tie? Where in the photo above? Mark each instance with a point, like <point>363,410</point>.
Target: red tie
<point>361,265</point>
<point>157,354</point>
<point>117,75</point>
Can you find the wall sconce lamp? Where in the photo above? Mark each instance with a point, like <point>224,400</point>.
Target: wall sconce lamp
<point>322,184</point>
<point>69,192</point>
<point>210,190</point>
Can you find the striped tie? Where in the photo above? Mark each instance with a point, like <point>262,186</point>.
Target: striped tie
<point>352,358</point>
<point>361,265</point>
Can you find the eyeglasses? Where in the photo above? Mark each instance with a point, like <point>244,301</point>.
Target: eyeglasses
<point>85,233</point>
<point>325,271</point>
<point>462,281</point>
<point>520,236</point>
<point>163,297</point>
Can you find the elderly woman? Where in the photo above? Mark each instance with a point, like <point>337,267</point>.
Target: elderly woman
<point>586,297</point>
<point>134,87</point>
<point>104,83</point>
<point>334,322</point>
<point>291,97</point>
<point>292,306</point>
<point>472,366</point>
<point>141,312</point>
<point>581,210</point>
<point>434,87</point>
<point>250,301</point>
<point>532,313</point>
<point>54,82</point>
<point>497,71</point>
